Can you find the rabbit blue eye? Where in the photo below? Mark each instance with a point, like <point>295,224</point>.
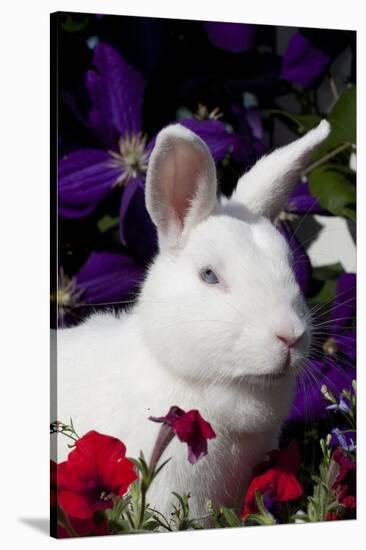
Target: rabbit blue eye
<point>207,275</point>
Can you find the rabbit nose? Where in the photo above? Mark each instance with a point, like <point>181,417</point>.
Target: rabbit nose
<point>290,339</point>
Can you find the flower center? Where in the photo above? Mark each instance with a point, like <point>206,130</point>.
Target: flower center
<point>203,113</point>
<point>284,216</point>
<point>105,496</point>
<point>67,296</point>
<point>330,346</point>
<point>131,157</point>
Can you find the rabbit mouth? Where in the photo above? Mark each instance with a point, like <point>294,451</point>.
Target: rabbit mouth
<point>285,370</point>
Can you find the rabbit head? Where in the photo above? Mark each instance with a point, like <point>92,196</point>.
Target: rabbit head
<point>220,302</point>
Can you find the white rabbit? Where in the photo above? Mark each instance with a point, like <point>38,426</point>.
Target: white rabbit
<point>220,324</point>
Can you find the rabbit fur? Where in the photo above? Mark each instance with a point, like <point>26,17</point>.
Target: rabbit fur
<point>219,348</point>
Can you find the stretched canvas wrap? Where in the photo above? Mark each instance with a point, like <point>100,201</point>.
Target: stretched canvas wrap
<point>203,275</point>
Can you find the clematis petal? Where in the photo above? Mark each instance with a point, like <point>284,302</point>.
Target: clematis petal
<point>248,144</point>
<point>301,262</point>
<point>344,303</point>
<point>116,92</point>
<point>108,277</point>
<point>303,63</point>
<point>232,37</point>
<point>137,231</point>
<point>84,178</point>
<point>214,133</point>
<point>301,201</point>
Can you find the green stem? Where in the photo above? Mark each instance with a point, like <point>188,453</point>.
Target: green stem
<point>64,522</point>
<point>142,509</point>
<point>334,89</point>
<point>326,157</point>
<point>69,530</point>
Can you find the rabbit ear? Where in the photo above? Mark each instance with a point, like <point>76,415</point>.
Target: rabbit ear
<point>180,184</point>
<point>266,187</point>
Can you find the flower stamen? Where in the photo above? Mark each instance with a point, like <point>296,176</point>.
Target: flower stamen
<point>131,158</point>
<point>330,346</point>
<point>67,296</point>
<point>203,113</point>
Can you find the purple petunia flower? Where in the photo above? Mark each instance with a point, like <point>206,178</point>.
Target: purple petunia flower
<point>232,37</point>
<point>336,366</point>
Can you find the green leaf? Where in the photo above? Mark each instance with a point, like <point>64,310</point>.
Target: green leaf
<point>72,23</point>
<point>326,272</point>
<point>303,123</point>
<point>107,222</point>
<point>332,189</point>
<point>151,525</point>
<point>155,473</point>
<point>231,517</point>
<point>349,212</point>
<point>343,117</point>
<point>326,294</point>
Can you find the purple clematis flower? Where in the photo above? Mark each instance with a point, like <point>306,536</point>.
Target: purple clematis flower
<point>232,37</point>
<point>303,63</point>
<point>190,428</point>
<point>87,175</point>
<point>336,367</point>
<point>249,146</point>
<point>309,54</point>
<point>302,202</point>
<point>105,278</point>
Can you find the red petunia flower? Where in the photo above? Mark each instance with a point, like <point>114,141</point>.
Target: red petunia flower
<point>331,516</point>
<point>275,479</point>
<point>94,471</point>
<point>190,428</point>
<point>345,483</point>
<point>53,484</point>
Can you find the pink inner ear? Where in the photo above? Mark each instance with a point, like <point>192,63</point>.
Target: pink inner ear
<point>186,165</point>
